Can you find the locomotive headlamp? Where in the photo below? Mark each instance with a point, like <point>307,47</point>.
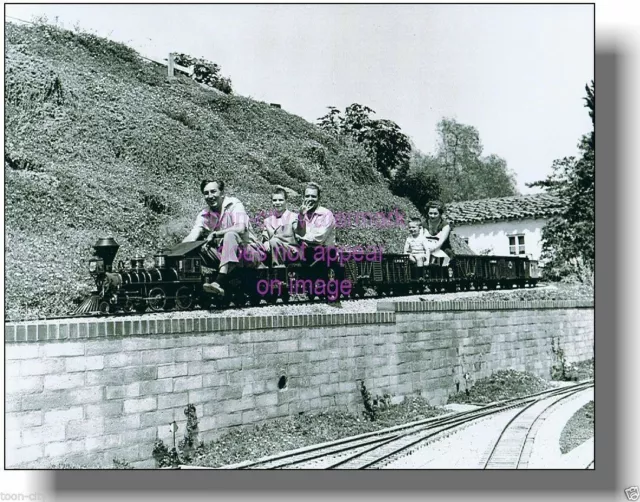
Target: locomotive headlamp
<point>96,266</point>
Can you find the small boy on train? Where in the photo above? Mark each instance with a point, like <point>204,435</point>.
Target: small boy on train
<point>416,245</point>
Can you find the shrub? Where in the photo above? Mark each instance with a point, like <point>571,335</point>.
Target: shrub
<point>373,406</point>
<point>205,72</point>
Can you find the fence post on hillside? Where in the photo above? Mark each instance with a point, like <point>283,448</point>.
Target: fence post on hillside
<point>172,67</point>
<point>170,64</point>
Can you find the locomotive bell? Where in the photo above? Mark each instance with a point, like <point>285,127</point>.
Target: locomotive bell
<point>160,260</point>
<point>106,248</point>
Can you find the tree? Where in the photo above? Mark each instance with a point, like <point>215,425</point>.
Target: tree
<point>464,174</point>
<point>418,180</point>
<point>385,142</point>
<point>569,239</point>
<point>332,121</point>
<point>389,146</point>
<point>420,187</point>
<point>357,123</point>
<point>495,178</point>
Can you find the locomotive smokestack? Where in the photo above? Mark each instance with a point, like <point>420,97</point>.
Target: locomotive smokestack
<point>106,248</point>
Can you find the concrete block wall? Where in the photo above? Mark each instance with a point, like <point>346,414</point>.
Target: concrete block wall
<point>88,392</point>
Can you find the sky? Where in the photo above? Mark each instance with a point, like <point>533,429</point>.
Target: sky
<point>515,72</point>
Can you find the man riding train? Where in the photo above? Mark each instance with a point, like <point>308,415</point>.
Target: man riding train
<point>229,235</point>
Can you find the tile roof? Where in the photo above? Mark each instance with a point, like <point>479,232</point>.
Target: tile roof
<point>458,245</point>
<point>518,207</point>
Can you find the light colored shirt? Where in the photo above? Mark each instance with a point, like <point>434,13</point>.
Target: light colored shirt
<point>282,227</point>
<point>416,245</point>
<point>320,227</point>
<point>433,234</point>
<point>233,212</point>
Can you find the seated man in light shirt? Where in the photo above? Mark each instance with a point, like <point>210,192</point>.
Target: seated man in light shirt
<point>316,224</point>
<point>278,236</point>
<point>228,233</point>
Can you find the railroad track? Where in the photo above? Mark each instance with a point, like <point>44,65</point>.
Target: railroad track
<point>507,451</point>
<point>377,449</point>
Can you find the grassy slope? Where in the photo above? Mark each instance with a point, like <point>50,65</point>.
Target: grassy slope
<point>100,143</point>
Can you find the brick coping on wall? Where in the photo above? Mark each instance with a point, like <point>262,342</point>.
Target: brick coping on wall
<point>79,329</point>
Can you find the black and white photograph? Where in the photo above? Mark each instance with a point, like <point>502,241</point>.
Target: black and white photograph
<point>306,236</point>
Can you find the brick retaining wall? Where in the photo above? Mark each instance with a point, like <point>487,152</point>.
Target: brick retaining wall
<point>88,392</point>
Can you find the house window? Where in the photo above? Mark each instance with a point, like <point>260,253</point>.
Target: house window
<point>516,244</point>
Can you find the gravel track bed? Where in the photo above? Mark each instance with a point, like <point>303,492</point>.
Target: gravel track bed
<point>578,429</point>
<point>366,305</point>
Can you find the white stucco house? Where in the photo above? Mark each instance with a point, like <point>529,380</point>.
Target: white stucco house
<point>506,225</point>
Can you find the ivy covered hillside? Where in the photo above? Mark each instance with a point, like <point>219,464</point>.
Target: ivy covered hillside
<point>98,142</point>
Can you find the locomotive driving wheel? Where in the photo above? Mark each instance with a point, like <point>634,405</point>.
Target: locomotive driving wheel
<point>128,305</point>
<point>184,298</point>
<point>157,299</point>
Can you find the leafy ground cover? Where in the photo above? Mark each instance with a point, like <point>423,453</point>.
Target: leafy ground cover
<point>297,431</point>
<point>579,428</point>
<point>501,385</point>
<point>583,370</point>
<point>559,291</point>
